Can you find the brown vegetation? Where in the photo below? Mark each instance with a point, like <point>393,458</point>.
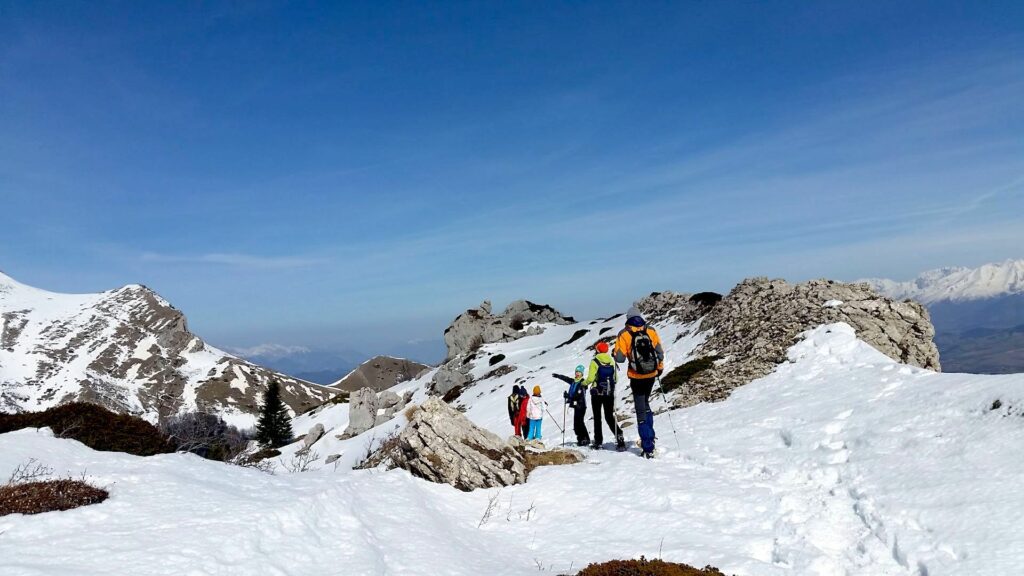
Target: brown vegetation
<point>94,426</point>
<point>48,496</point>
<point>644,567</point>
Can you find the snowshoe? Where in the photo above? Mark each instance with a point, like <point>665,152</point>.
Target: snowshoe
<point>647,455</point>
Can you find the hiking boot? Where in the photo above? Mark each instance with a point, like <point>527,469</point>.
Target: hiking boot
<point>583,443</point>
<point>647,455</point>
<point>596,445</point>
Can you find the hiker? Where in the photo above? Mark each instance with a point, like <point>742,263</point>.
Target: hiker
<point>535,413</point>
<point>522,422</point>
<point>513,409</point>
<point>577,398</point>
<point>640,345</point>
<point>601,379</point>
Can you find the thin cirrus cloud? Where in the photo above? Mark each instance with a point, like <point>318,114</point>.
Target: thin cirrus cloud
<point>235,260</point>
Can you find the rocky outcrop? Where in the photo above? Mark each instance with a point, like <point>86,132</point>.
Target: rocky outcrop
<point>448,378</point>
<point>479,326</point>
<point>367,409</point>
<point>380,373</point>
<point>750,330</point>
<point>441,445</point>
<point>128,350</point>
<point>315,433</point>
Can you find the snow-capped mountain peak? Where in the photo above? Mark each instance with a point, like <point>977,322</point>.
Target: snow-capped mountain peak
<point>128,349</point>
<point>957,283</point>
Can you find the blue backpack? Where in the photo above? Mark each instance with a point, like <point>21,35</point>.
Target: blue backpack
<point>605,383</point>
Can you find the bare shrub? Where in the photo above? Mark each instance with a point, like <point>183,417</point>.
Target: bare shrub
<point>37,497</point>
<point>492,505</point>
<point>205,435</point>
<point>30,471</point>
<point>301,461</point>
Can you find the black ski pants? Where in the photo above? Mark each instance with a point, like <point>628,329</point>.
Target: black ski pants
<point>605,404</point>
<point>579,423</point>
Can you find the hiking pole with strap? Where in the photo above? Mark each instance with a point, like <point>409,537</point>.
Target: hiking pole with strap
<point>563,421</point>
<point>555,420</point>
<point>669,414</point>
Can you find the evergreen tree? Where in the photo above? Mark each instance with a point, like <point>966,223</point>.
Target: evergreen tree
<point>274,427</point>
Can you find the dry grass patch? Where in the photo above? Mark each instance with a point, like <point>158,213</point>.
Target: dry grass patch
<point>554,457</point>
<point>644,567</point>
<point>48,496</point>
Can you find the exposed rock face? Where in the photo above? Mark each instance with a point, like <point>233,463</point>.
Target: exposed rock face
<point>674,306</point>
<point>752,327</point>
<point>128,350</point>
<point>478,326</point>
<point>447,379</point>
<point>380,373</point>
<point>367,409</point>
<point>315,433</point>
<point>441,445</point>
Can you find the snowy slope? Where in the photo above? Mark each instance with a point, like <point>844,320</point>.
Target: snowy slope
<point>957,283</point>
<point>840,462</point>
<point>127,349</point>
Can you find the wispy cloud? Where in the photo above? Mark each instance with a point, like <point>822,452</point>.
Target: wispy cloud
<point>235,260</point>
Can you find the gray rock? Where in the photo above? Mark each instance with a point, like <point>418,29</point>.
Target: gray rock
<point>362,412</point>
<point>315,433</point>
<point>441,445</point>
<point>479,326</point>
<point>332,458</point>
<point>754,325</point>
<point>391,403</point>
<point>447,379</point>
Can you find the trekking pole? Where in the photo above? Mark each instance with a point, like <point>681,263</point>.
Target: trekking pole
<point>555,420</point>
<point>669,414</point>
<point>563,421</point>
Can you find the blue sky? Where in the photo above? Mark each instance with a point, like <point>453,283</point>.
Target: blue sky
<point>355,174</point>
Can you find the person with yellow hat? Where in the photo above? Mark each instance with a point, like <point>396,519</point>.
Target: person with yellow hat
<point>535,412</point>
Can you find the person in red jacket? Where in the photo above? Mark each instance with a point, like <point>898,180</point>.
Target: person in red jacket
<point>522,422</point>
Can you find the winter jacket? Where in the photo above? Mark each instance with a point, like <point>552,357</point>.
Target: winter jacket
<point>599,360</point>
<point>524,404</point>
<point>513,408</point>
<point>624,347</point>
<point>575,395</point>
<point>535,411</point>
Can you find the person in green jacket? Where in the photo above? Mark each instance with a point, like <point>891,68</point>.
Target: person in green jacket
<point>601,379</point>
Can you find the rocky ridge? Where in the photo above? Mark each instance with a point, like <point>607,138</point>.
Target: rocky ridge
<point>751,328</point>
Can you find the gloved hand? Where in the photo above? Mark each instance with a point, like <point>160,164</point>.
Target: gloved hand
<point>565,395</point>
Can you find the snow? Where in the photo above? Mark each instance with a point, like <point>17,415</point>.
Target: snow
<point>842,461</point>
<point>832,304</point>
<point>957,283</point>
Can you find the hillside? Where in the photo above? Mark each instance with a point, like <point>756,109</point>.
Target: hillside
<point>129,350</point>
<point>957,283</point>
<point>380,373</point>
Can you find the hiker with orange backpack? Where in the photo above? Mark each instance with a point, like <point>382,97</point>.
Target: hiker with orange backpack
<point>602,378</point>
<point>641,346</point>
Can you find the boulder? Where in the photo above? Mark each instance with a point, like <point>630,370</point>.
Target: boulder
<point>332,459</point>
<point>441,445</point>
<point>315,433</point>
<point>362,412</point>
<point>390,402</point>
<point>447,379</point>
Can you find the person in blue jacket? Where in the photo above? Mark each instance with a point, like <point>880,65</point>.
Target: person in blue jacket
<point>576,397</point>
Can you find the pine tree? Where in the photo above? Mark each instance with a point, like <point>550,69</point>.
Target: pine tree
<point>274,427</point>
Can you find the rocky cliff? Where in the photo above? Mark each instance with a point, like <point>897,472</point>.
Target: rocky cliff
<point>380,373</point>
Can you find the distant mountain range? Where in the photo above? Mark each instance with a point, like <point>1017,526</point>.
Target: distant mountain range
<point>978,314</point>
<point>319,365</point>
